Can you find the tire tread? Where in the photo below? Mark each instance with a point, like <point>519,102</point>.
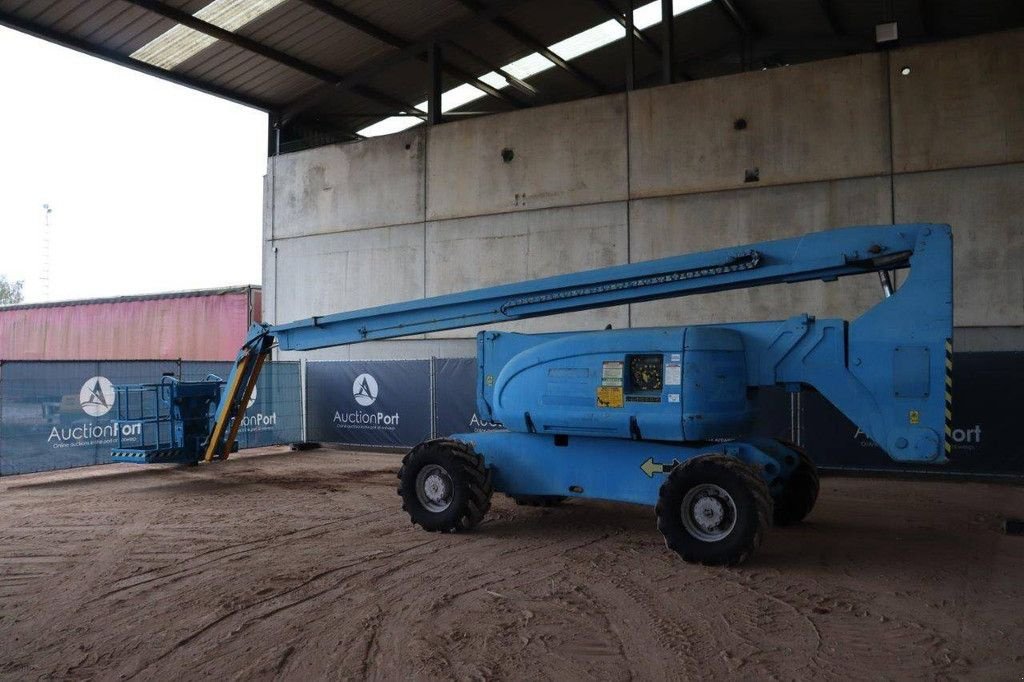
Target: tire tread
<point>475,474</point>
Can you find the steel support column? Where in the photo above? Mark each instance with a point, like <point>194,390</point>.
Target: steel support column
<point>630,47</point>
<point>434,59</point>
<point>667,41</point>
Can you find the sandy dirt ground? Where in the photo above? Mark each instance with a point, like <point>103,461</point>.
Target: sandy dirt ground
<point>302,566</point>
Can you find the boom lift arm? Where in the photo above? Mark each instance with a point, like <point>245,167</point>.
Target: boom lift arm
<point>901,344</point>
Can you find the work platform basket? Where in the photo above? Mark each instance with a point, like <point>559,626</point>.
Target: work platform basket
<point>165,422</point>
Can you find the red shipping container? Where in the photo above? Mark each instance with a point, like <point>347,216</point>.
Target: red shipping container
<point>208,324</point>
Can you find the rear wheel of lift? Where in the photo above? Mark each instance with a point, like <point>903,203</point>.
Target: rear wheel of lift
<point>799,493</point>
<point>445,486</point>
<point>538,500</point>
<point>714,510</point>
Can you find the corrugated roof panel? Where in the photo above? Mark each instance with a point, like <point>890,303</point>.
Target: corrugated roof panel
<point>254,74</point>
<point>859,18</point>
<point>14,6</point>
<point>323,41</point>
<point>31,10</point>
<point>314,37</point>
<point>226,65</point>
<point>129,24</point>
<point>288,84</point>
<point>550,22</point>
<point>409,19</point>
<point>409,82</point>
<point>491,42</point>
<point>49,13</point>
<point>220,61</point>
<point>278,83</point>
<point>786,17</point>
<point>94,19</point>
<point>707,42</point>
<point>957,17</point>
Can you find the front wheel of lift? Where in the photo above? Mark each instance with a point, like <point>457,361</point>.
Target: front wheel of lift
<point>445,486</point>
<point>714,510</point>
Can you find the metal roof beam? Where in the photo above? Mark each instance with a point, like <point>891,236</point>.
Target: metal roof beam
<point>739,20</point>
<point>385,36</point>
<point>615,13</point>
<point>106,54</point>
<point>356,22</point>
<point>926,11</point>
<point>517,83</point>
<point>525,38</point>
<point>375,66</point>
<point>630,46</point>
<point>668,42</point>
<point>470,79</point>
<point>830,15</point>
<point>434,61</point>
<point>321,74</point>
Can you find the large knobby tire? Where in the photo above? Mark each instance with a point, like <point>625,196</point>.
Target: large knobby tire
<point>445,486</point>
<point>799,493</point>
<point>714,510</point>
<point>538,500</point>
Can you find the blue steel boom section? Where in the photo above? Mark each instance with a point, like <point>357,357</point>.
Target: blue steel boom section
<point>919,314</point>
<point>821,255</point>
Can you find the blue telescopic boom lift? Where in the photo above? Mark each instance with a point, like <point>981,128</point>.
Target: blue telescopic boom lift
<point>656,416</point>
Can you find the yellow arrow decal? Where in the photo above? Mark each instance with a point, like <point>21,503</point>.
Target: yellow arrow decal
<point>650,467</point>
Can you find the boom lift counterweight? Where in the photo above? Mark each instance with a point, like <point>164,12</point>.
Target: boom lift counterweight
<point>657,416</point>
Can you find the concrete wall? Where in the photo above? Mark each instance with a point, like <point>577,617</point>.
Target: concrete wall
<point>670,170</point>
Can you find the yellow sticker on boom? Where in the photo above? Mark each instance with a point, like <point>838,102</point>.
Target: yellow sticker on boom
<point>609,396</point>
<point>915,417</point>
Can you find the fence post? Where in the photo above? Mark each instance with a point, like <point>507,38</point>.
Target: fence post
<point>432,399</point>
<point>303,410</point>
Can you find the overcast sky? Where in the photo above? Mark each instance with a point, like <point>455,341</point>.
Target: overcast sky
<point>154,187</point>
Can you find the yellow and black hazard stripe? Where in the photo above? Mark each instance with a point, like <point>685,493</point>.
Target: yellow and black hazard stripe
<point>949,396</point>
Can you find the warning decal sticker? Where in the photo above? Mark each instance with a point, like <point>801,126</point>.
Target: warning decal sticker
<point>609,396</point>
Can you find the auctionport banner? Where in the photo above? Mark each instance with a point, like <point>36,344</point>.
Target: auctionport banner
<point>58,415</point>
<point>455,409</point>
<point>371,403</point>
<point>988,392</point>
<point>274,413</point>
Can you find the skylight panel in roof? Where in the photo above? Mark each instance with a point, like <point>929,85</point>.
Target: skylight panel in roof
<point>589,40</point>
<point>530,65</point>
<point>180,42</point>
<point>574,46</point>
<point>391,124</point>
<point>460,96</point>
<point>650,14</point>
<point>493,79</point>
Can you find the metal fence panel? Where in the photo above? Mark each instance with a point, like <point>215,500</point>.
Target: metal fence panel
<point>369,403</point>
<point>274,415</point>
<point>454,395</point>
<point>988,392</point>
<point>58,415</point>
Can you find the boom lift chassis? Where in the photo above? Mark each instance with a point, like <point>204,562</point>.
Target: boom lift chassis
<point>658,416</point>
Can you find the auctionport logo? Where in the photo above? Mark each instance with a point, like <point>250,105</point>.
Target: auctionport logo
<point>365,392</point>
<point>258,421</point>
<point>96,396</point>
<point>364,389</point>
